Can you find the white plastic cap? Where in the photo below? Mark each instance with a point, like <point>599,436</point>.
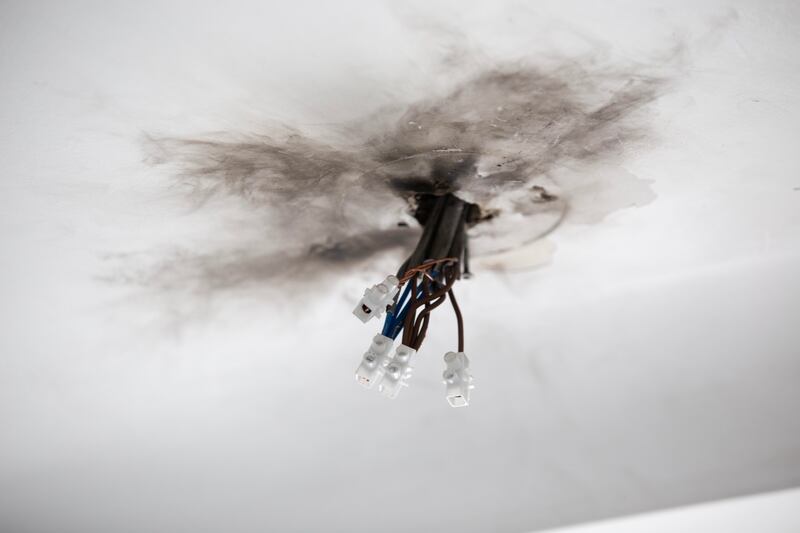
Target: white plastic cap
<point>457,379</point>
<point>372,366</point>
<point>397,372</point>
<point>376,299</point>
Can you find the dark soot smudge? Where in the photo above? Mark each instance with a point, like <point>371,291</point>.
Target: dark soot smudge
<point>326,206</point>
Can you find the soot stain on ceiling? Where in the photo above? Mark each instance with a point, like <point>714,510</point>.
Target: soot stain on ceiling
<point>519,140</point>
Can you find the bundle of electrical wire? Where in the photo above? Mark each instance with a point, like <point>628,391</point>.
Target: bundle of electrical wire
<point>427,286</point>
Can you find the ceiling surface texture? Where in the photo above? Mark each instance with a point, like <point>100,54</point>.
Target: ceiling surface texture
<point>194,196</point>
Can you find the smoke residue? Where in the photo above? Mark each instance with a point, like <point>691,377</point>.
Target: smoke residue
<point>525,142</point>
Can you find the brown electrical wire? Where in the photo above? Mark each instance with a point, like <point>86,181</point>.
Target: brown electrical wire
<point>407,333</point>
<point>412,305</point>
<point>415,327</point>
<point>459,319</point>
<point>424,267</point>
<point>423,320</point>
<point>409,326</point>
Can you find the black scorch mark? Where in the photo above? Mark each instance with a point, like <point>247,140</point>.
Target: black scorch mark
<point>528,144</point>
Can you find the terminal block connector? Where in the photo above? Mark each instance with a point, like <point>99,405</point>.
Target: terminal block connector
<point>457,379</point>
<point>376,299</point>
<point>397,372</point>
<point>374,362</point>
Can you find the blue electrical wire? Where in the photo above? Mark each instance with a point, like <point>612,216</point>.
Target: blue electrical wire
<point>393,324</point>
<point>397,322</point>
<point>390,326</point>
<point>389,323</point>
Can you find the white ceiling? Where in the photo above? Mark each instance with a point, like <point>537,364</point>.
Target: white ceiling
<point>652,362</point>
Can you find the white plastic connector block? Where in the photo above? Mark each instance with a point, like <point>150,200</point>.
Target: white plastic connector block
<point>374,362</point>
<point>457,379</point>
<point>376,299</point>
<point>397,372</point>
